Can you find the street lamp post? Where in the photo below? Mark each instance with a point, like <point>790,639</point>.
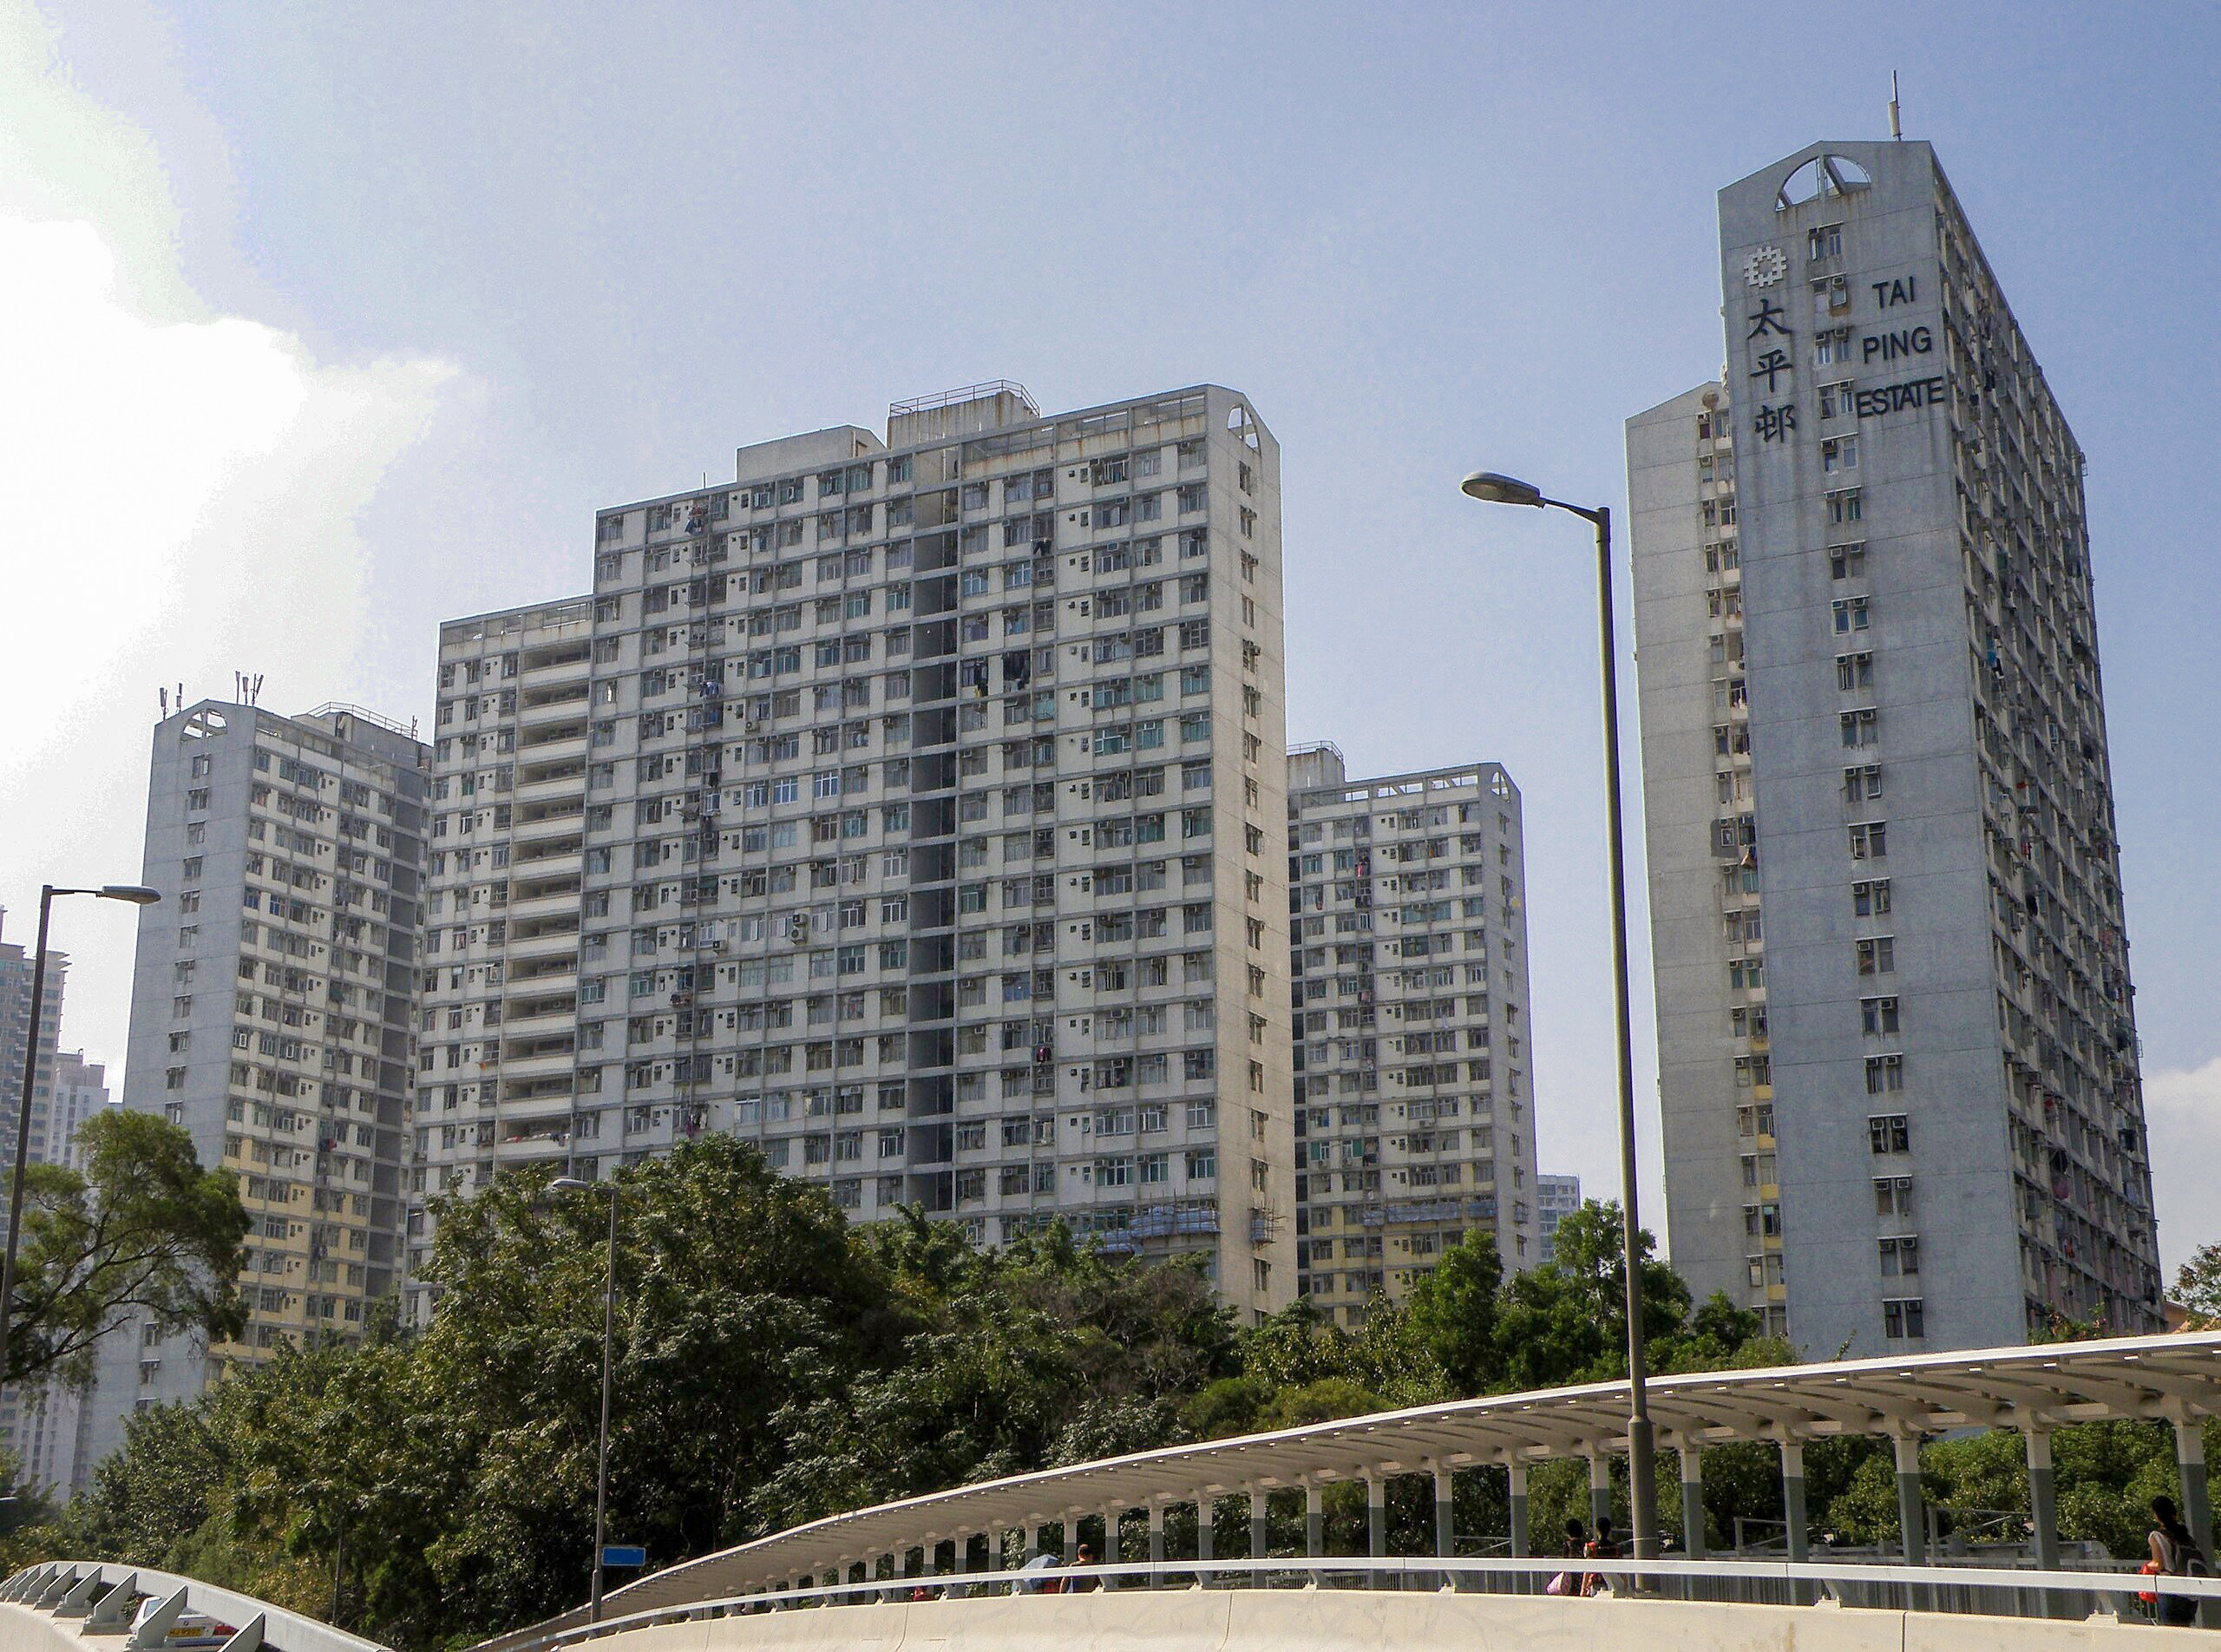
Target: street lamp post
<point>1642,1488</point>
<point>137,895</point>
<point>573,1185</point>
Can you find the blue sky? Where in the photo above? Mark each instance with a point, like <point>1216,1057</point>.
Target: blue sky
<point>343,320</point>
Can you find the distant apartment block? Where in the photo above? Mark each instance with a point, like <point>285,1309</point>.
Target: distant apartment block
<point>909,807</point>
<point>28,1429</point>
<point>272,1013</point>
<point>1412,1091</point>
<point>1556,1196</point>
<point>80,1092</point>
<point>17,1040</point>
<point>1896,1044</point>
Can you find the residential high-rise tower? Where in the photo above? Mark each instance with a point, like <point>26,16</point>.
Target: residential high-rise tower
<point>1897,1053</point>
<point>910,808</point>
<point>1413,1095</point>
<point>272,1015</point>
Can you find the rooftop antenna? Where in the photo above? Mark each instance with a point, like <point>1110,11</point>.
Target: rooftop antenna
<point>1895,131</point>
<point>165,693</point>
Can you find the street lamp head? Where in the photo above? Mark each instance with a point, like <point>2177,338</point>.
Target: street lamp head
<point>570,1185</point>
<point>137,893</point>
<point>1494,489</point>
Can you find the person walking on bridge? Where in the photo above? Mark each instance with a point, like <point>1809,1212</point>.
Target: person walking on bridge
<point>2175,1553</point>
<point>1600,1548</point>
<point>1576,1543</point>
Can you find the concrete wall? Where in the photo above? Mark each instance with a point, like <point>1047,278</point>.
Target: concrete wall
<point>1328,1621</point>
<point>23,1629</point>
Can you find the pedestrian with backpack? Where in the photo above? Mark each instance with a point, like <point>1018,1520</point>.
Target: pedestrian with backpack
<point>2175,1553</point>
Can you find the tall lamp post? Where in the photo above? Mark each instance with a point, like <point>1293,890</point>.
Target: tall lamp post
<point>137,895</point>
<point>1642,1489</point>
<point>573,1185</point>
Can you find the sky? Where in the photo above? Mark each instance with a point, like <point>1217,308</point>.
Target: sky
<point>319,324</point>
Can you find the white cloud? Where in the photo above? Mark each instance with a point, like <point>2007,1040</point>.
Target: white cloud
<point>2182,1109</point>
<point>181,494</point>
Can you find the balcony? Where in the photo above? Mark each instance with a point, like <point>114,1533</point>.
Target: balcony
<point>548,1023</point>
<point>566,781</point>
<point>536,1109</point>
<point>548,705</point>
<point>557,747</point>
<point>555,943</point>
<point>534,1148</point>
<point>522,1068</point>
<point>557,903</point>
<point>555,860</point>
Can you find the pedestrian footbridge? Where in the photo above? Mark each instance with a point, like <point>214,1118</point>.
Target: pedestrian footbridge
<point>962,1571</point>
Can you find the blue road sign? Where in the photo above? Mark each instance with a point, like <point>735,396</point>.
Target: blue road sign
<point>618,1554</point>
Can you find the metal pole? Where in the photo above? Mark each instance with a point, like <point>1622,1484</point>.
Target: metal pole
<point>601,1466</point>
<point>23,1130</point>
<point>1643,1487</point>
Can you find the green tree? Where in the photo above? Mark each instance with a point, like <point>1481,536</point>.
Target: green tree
<point>2197,1286</point>
<point>141,1228</point>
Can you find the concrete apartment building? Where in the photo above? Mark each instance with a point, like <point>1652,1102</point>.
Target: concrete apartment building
<point>44,1442</point>
<point>1898,1054</point>
<point>1556,1197</point>
<point>80,1091</point>
<point>272,1008</point>
<point>29,1427</point>
<point>1412,1099</point>
<point>909,807</point>
<point>16,1041</point>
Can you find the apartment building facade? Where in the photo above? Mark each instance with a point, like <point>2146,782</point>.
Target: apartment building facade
<point>29,1424</point>
<point>1412,1089</point>
<point>80,1091</point>
<point>273,1002</point>
<point>18,1040</point>
<point>1555,1198</point>
<point>905,807</point>
<point>1898,1052</point>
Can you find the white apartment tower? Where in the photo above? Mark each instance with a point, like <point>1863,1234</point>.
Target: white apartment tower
<point>29,1425</point>
<point>17,1039</point>
<point>80,1091</point>
<point>1898,1055</point>
<point>908,808</point>
<point>1412,1096</point>
<point>271,1007</point>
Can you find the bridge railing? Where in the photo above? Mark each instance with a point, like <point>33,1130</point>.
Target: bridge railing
<point>158,1611</point>
<point>1987,1590</point>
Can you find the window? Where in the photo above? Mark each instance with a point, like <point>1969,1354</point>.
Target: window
<point>1877,956</point>
<point>1893,1195</point>
<point>1869,840</point>
<point>1885,1074</point>
<point>1854,671</point>
<point>1862,783</point>
<point>1859,728</point>
<point>1900,1257</point>
<point>1824,241</point>
<point>1877,1015</point>
<point>1901,1317</point>
<point>1871,899</point>
<point>1850,614</point>
<point>1888,1133</point>
<point>1845,505</point>
<point>1846,562</point>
